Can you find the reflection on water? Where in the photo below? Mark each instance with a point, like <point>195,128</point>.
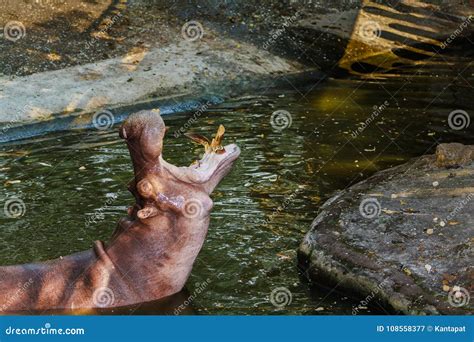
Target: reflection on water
<point>262,209</point>
<point>177,304</point>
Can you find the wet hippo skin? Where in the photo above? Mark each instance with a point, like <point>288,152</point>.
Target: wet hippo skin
<point>151,252</point>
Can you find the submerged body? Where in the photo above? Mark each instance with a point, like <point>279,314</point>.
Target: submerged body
<point>152,251</point>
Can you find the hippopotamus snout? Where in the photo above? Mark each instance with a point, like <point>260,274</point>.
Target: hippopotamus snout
<point>213,167</point>
<point>144,132</point>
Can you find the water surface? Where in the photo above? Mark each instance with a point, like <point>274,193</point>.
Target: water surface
<point>262,209</point>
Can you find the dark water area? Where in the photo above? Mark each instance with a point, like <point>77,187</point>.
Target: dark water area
<point>73,185</point>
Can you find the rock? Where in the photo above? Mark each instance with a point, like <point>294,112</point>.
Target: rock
<point>371,238</point>
<point>454,154</point>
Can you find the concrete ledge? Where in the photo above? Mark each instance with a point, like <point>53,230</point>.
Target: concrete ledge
<point>180,68</point>
<point>214,93</point>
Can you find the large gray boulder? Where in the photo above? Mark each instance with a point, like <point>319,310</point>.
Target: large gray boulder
<point>403,238</point>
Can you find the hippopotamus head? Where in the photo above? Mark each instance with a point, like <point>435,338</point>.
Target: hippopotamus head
<point>157,181</point>
<point>145,131</point>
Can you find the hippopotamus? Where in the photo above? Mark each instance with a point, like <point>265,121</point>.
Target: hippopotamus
<point>152,250</point>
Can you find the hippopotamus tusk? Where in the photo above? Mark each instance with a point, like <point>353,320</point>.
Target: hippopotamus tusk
<point>152,251</point>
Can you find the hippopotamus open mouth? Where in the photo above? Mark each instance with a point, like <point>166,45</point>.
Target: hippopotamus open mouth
<point>208,172</point>
<point>213,166</point>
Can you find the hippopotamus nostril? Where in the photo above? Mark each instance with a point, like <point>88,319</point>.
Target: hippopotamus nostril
<point>145,188</point>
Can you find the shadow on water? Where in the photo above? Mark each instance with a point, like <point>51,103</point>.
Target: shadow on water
<point>177,304</point>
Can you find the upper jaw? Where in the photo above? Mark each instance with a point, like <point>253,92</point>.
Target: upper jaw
<point>212,162</point>
<point>208,171</point>
<point>213,166</point>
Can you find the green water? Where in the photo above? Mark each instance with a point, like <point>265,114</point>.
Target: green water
<point>262,209</point>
